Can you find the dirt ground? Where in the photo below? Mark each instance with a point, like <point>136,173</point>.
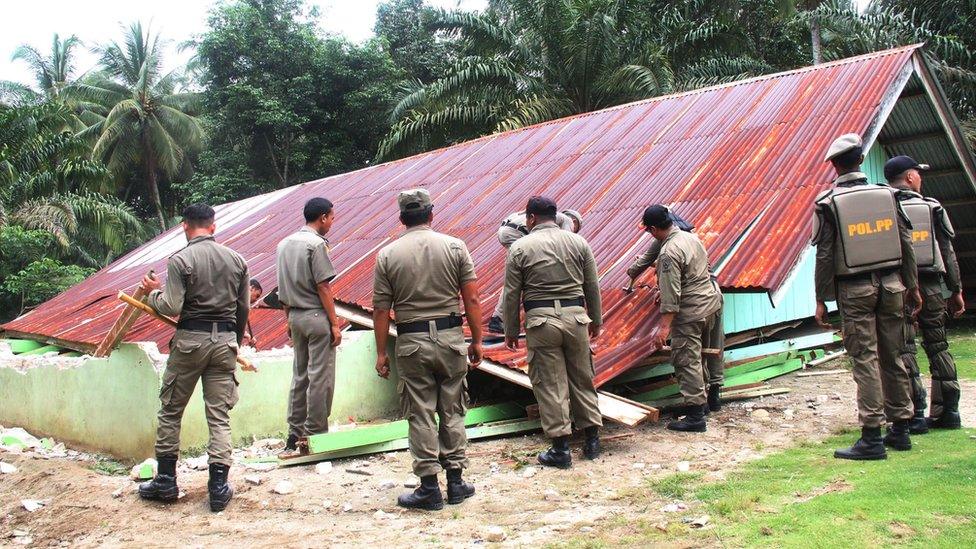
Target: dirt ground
<point>533,506</point>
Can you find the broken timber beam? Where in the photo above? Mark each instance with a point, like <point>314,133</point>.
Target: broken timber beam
<point>122,325</point>
<point>612,407</point>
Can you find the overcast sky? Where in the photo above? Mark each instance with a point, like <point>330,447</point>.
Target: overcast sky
<point>34,22</point>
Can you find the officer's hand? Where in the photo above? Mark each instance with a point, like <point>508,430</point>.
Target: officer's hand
<point>661,338</point>
<point>254,342</point>
<point>821,315</point>
<point>475,354</point>
<point>915,299</point>
<point>594,330</point>
<point>336,336</point>
<point>512,343</point>
<point>957,305</point>
<point>150,283</point>
<point>247,365</point>
<point>383,365</point>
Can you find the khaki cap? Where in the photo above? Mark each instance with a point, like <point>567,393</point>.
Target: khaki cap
<point>414,200</point>
<point>843,144</point>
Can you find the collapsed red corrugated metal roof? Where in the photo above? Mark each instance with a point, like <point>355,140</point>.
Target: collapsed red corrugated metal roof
<point>724,157</point>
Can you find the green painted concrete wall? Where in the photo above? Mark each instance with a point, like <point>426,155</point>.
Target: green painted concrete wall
<point>110,404</point>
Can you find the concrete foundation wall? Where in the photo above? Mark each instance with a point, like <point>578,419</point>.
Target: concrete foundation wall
<point>110,404</point>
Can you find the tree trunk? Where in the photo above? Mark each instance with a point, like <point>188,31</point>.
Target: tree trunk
<point>815,45</point>
<point>154,193</point>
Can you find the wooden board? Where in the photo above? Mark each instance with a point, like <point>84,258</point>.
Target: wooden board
<point>122,326</point>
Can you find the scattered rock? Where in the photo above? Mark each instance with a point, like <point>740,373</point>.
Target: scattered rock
<point>411,482</point>
<point>552,495</point>
<point>380,515</point>
<point>118,493</point>
<point>7,468</point>
<point>24,540</point>
<point>19,533</point>
<point>32,504</point>
<point>323,468</point>
<point>269,443</point>
<point>788,413</point>
<point>822,399</point>
<point>529,472</point>
<point>327,503</point>
<point>495,534</point>
<point>662,526</point>
<point>283,488</point>
<point>494,468</point>
<point>253,480</point>
<point>346,507</point>
<point>639,466</point>
<point>684,466</point>
<point>655,466</point>
<point>388,484</point>
<point>760,414</point>
<point>700,521</point>
<point>586,529</point>
<point>199,463</point>
<point>144,471</point>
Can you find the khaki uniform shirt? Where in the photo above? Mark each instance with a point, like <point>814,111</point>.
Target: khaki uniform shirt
<point>550,263</point>
<point>205,281</point>
<point>684,279</point>
<point>645,260</point>
<point>824,276</point>
<point>419,275</point>
<point>303,264</point>
<point>513,228</point>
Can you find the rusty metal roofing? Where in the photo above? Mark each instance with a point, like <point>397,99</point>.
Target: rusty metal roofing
<point>727,158</point>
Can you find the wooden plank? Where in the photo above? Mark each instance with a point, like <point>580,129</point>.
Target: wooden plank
<point>765,373</point>
<point>726,396</point>
<point>87,348</point>
<point>826,358</point>
<point>385,432</point>
<point>122,326</point>
<point>822,373</point>
<point>611,406</point>
<point>474,433</point>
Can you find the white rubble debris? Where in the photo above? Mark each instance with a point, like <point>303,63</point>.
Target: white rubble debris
<point>283,488</point>
<point>684,466</point>
<point>7,468</point>
<point>323,468</point>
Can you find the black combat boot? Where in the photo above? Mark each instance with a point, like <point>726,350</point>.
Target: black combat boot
<point>918,425</point>
<point>950,412</point>
<point>694,421</point>
<point>427,496</point>
<point>220,490</point>
<point>869,446</point>
<point>714,398</point>
<point>591,447</point>
<point>163,487</point>
<point>558,455</point>
<point>897,437</point>
<point>457,489</point>
<point>495,325</point>
<point>291,445</point>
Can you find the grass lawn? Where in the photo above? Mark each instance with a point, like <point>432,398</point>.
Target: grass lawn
<point>962,345</point>
<point>803,497</point>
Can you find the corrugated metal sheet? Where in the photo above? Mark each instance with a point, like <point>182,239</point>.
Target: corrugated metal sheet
<point>722,157</point>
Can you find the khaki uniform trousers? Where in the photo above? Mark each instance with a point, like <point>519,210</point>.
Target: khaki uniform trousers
<point>686,356</point>
<point>874,336</point>
<point>932,321</point>
<point>313,372</point>
<point>714,338</point>
<point>193,356</point>
<point>561,369</point>
<point>433,370</point>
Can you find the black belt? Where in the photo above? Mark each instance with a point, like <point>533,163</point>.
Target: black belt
<point>520,228</point>
<point>868,275</point>
<point>206,325</point>
<point>539,303</point>
<point>443,323</point>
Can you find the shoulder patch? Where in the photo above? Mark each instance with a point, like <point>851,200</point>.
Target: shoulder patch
<point>823,196</point>
<point>664,263</point>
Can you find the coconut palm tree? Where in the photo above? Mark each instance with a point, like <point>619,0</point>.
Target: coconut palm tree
<point>53,73</point>
<point>149,128</point>
<point>49,182</point>
<point>528,61</point>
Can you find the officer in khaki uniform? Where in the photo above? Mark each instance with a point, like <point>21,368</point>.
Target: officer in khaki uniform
<point>552,274</point>
<point>207,288</point>
<point>714,338</point>
<point>305,273</point>
<point>691,306</point>
<point>512,229</point>
<point>940,285</point>
<point>865,262</point>
<point>419,277</point>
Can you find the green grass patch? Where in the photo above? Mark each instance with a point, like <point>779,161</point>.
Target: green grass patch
<point>108,466</point>
<point>674,486</point>
<point>962,345</point>
<point>803,497</point>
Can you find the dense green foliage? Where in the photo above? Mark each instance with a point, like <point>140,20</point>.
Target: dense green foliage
<point>91,165</point>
